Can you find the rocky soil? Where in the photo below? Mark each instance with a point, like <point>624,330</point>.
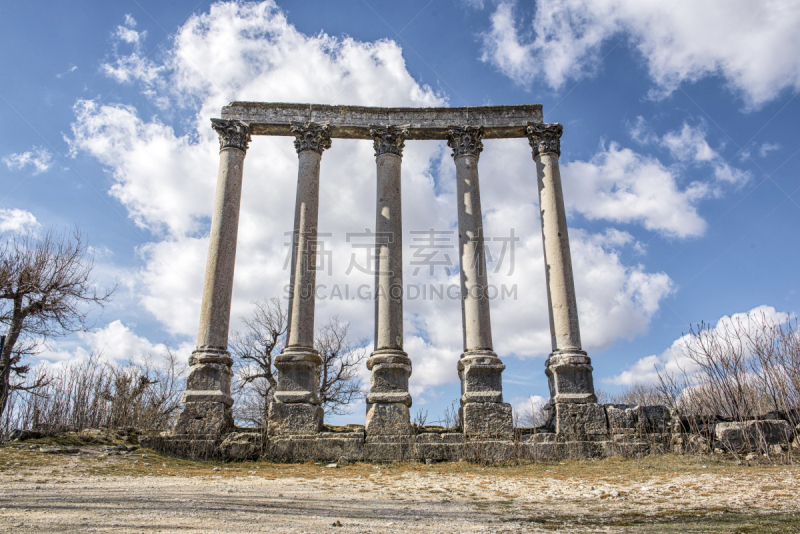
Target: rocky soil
<point>112,489</point>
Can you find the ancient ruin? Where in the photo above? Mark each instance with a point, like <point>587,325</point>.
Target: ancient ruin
<point>578,424</point>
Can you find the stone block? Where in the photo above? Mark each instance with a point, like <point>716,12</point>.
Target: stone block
<point>569,377</point>
<point>622,418</point>
<point>389,378</point>
<point>294,419</point>
<point>752,435</point>
<point>481,377</point>
<point>388,420</point>
<point>298,376</point>
<point>215,418</point>
<point>487,451</point>
<point>241,446</point>
<point>487,420</point>
<point>656,419</point>
<point>210,377</point>
<point>580,421</point>
<point>541,437</point>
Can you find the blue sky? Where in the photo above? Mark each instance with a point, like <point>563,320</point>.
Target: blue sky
<point>678,159</point>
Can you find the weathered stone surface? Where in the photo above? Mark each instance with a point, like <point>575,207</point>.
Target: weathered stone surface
<point>388,420</point>
<point>294,419</point>
<point>481,377</point>
<point>242,446</point>
<point>580,421</point>
<point>355,122</point>
<point>487,420</point>
<point>752,435</point>
<point>569,377</point>
<point>214,418</point>
<point>389,379</point>
<point>630,419</point>
<point>622,417</point>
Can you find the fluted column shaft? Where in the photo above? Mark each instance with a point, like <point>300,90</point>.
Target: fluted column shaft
<point>388,399</point>
<point>483,413</point>
<point>568,368</point>
<point>208,386</point>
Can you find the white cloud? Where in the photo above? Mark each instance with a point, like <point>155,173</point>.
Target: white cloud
<point>135,66</point>
<point>15,220</point>
<point>166,181</point>
<point>748,46</point>
<point>115,342</point>
<point>622,186</point>
<point>766,148</point>
<point>39,158</point>
<point>690,145</point>
<point>674,360</point>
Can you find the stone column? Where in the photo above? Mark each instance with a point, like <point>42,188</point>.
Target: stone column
<point>568,369</point>
<point>296,406</point>
<point>388,399</point>
<point>207,409</point>
<point>483,413</point>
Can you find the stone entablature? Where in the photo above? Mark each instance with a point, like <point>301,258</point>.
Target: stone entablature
<point>354,122</point>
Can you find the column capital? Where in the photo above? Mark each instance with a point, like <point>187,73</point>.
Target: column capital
<point>465,140</point>
<point>311,135</point>
<point>232,134</point>
<point>545,138</point>
<point>389,139</point>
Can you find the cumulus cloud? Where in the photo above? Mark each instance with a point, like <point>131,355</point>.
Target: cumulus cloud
<point>135,66</point>
<point>39,159</point>
<point>18,221</point>
<point>684,42</point>
<point>165,176</point>
<point>115,342</point>
<point>674,360</point>
<point>690,145</point>
<point>620,185</point>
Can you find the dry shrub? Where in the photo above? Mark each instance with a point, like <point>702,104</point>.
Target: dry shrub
<point>94,393</point>
<point>747,369</point>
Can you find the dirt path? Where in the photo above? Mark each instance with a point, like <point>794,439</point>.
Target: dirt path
<point>93,492</point>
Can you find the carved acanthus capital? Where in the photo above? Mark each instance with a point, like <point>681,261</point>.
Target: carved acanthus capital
<point>311,135</point>
<point>545,138</point>
<point>465,140</point>
<point>389,139</point>
<point>232,134</point>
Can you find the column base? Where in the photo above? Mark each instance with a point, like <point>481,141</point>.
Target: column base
<point>482,420</point>
<point>569,376</point>
<point>294,419</point>
<point>298,375</point>
<point>480,374</point>
<point>388,400</point>
<point>207,399</point>
<point>205,418</point>
<point>388,382</point>
<point>388,419</point>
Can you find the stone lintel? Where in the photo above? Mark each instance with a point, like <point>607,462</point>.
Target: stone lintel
<point>354,122</point>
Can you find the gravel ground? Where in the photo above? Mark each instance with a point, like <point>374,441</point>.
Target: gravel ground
<point>92,491</point>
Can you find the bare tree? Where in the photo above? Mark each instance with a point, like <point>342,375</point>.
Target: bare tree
<point>341,358</point>
<point>253,351</point>
<point>263,338</point>
<point>46,290</point>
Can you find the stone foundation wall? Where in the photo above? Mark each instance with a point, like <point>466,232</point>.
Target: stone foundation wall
<point>573,431</point>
